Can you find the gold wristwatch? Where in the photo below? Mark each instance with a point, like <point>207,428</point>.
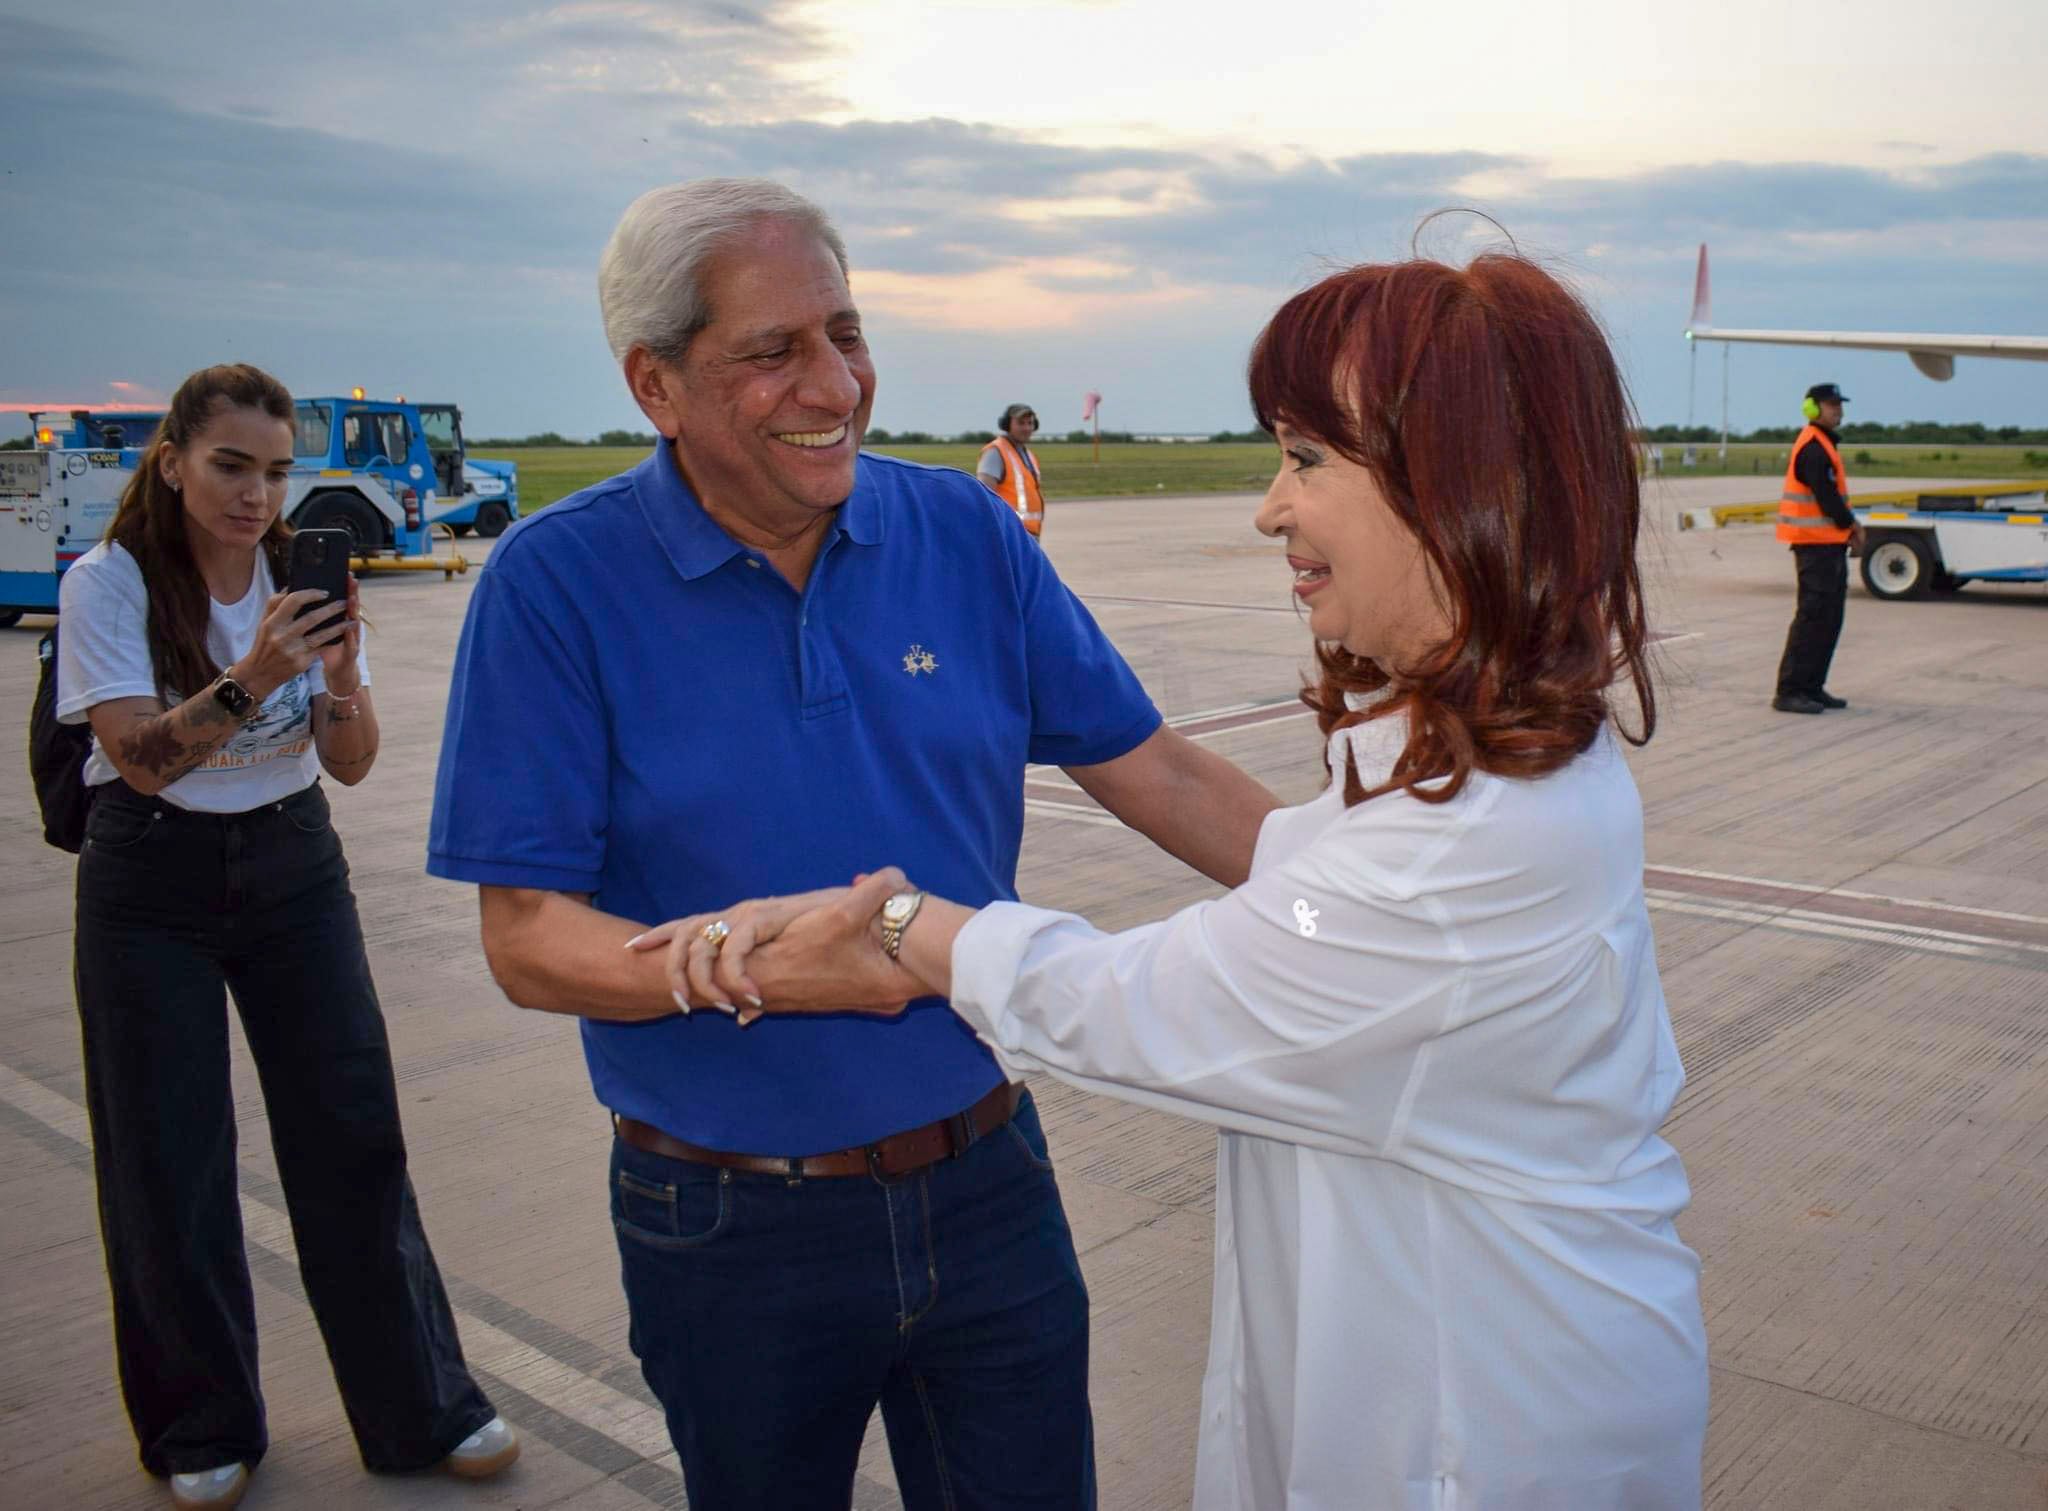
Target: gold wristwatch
<point>896,915</point>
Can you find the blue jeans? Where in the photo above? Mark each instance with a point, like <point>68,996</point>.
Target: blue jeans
<point>174,907</point>
<point>771,1317</point>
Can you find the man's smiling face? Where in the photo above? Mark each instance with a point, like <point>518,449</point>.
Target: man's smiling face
<point>774,394</point>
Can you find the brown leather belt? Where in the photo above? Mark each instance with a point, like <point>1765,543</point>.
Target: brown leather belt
<point>898,1154</point>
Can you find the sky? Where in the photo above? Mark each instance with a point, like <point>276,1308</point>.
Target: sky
<point>1039,199</point>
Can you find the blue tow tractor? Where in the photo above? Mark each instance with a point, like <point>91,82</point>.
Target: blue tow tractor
<point>386,471</point>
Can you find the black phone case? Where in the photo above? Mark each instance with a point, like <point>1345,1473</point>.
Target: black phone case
<point>319,559</point>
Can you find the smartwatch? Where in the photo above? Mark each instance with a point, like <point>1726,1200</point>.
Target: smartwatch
<point>235,698</point>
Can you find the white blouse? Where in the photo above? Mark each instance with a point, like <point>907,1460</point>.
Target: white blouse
<point>1434,1039</point>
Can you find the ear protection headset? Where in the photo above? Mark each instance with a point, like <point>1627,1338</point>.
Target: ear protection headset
<point>1810,407</point>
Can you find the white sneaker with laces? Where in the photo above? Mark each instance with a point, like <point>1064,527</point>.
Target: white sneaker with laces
<point>209,1489</point>
<point>484,1452</point>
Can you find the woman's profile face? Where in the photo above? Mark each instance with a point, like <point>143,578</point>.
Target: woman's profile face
<point>232,475</point>
<point>1359,570</point>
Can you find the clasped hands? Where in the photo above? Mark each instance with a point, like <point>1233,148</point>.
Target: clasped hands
<point>810,952</point>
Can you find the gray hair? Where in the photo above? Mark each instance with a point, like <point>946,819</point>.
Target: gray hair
<point>649,281</point>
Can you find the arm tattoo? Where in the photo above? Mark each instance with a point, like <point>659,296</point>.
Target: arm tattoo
<point>154,745</point>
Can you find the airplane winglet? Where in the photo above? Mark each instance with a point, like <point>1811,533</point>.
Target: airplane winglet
<point>1702,301</point>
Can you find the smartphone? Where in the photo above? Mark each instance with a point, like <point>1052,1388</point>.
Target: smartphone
<point>320,560</point>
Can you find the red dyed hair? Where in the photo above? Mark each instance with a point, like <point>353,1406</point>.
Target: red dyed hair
<point>1490,411</point>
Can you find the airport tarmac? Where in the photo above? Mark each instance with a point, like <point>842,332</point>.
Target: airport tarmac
<point>1852,920</point>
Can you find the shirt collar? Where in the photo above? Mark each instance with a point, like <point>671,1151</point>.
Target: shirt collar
<point>696,545</point>
<point>1375,744</point>
<point>860,517</point>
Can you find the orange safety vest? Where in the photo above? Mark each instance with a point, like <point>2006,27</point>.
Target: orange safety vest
<point>1019,487</point>
<point>1801,520</point>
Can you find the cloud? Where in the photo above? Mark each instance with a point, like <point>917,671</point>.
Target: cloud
<point>37,49</point>
<point>389,203</point>
<point>1045,298</point>
<point>725,62</point>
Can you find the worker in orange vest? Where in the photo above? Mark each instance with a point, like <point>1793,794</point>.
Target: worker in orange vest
<point>1010,470</point>
<point>1814,520</point>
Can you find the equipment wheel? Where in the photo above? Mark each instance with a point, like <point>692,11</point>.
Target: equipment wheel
<point>1948,584</point>
<point>1898,566</point>
<point>343,511</point>
<point>492,518</point>
<point>9,618</point>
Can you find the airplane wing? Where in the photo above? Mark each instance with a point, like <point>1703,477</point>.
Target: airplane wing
<point>1935,355</point>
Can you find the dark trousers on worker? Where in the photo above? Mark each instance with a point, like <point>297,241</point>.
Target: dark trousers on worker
<point>772,1316</point>
<point>172,907</point>
<point>1817,622</point>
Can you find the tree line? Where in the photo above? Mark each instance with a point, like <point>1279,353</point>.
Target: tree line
<point>876,436</point>
<point>1870,433</point>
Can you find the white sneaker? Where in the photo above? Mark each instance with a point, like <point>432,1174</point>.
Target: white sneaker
<point>484,1452</point>
<point>209,1489</point>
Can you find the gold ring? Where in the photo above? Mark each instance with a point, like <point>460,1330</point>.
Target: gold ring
<point>714,933</point>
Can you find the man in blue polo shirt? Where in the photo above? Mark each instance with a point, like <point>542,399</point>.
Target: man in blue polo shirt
<point>761,662</point>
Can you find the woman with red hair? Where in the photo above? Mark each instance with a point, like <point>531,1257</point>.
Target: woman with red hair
<point>1429,1025</point>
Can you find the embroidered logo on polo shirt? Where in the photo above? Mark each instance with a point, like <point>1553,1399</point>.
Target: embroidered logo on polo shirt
<point>918,659</point>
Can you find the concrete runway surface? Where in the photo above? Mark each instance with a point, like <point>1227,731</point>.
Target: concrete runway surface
<point>1852,918</point>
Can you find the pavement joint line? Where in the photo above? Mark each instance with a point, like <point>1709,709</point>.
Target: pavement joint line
<point>31,938</point>
<point>1278,713</point>
<point>1046,808</point>
<point>2003,952</point>
<point>1192,603</point>
<point>1868,925</point>
<point>662,1487</point>
<point>563,1388</point>
<point>1226,721</point>
<point>1049,776</point>
<point>1972,817</point>
<point>1821,889</point>
<point>1230,720</point>
<point>1923,938</point>
<point>1292,610</point>
<point>1179,721</point>
<point>2023,1454</point>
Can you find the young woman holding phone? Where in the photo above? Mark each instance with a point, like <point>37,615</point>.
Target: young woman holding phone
<point>216,702</point>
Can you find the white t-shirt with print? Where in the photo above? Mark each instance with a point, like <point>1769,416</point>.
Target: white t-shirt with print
<point>103,654</point>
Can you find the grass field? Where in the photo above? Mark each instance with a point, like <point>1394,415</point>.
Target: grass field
<point>1867,462</point>
<point>547,473</point>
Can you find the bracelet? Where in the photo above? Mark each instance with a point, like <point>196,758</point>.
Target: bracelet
<point>343,710</point>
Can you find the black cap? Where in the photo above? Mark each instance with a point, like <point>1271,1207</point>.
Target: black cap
<point>1827,393</point>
